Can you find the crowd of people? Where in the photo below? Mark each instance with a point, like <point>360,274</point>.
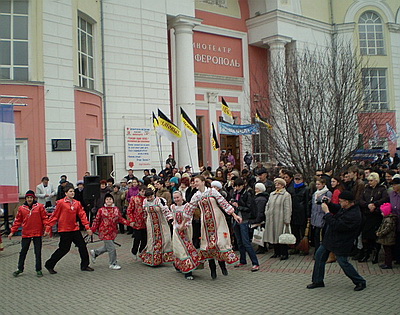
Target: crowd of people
<point>189,218</point>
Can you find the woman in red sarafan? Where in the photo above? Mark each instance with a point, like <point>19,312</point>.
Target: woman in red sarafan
<point>186,256</point>
<point>215,237</point>
<point>137,216</point>
<point>159,248</point>
<point>106,222</point>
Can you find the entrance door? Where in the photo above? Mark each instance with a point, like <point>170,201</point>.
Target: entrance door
<point>232,143</point>
<point>105,166</point>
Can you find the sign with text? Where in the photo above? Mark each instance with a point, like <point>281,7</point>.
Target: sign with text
<point>137,148</point>
<point>238,130</point>
<point>215,54</point>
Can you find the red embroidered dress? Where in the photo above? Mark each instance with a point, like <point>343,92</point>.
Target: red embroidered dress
<point>106,222</point>
<point>186,256</point>
<point>159,248</point>
<point>135,212</point>
<point>215,238</point>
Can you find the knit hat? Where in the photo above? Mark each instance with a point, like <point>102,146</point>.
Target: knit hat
<point>260,187</point>
<point>280,181</point>
<point>217,184</point>
<point>108,195</point>
<point>123,180</point>
<point>386,209</point>
<point>30,193</point>
<point>79,182</point>
<point>346,195</point>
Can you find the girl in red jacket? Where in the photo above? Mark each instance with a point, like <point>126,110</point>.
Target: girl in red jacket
<point>106,222</point>
<point>33,217</point>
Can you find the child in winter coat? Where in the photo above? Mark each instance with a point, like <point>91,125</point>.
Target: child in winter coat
<point>33,217</point>
<point>387,234</point>
<point>106,222</point>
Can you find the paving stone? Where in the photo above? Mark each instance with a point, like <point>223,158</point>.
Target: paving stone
<point>278,288</point>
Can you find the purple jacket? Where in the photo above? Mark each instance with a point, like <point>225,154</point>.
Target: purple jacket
<point>395,202</point>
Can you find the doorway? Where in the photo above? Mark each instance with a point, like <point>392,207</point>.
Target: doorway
<point>232,143</point>
<point>105,166</point>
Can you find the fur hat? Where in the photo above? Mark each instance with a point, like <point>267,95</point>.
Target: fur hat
<point>217,184</point>
<point>260,186</point>
<point>280,181</point>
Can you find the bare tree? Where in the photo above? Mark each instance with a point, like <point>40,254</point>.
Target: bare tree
<point>316,97</point>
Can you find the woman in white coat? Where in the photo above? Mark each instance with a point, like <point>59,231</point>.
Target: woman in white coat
<point>278,212</point>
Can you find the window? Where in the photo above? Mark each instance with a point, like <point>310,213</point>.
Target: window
<point>371,34</point>
<point>85,53</point>
<point>14,40</point>
<point>375,91</point>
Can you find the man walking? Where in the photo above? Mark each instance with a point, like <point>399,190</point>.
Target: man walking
<point>66,212</point>
<point>341,231</point>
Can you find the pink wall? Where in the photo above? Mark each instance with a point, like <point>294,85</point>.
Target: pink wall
<point>30,124</point>
<point>227,22</point>
<point>89,125</point>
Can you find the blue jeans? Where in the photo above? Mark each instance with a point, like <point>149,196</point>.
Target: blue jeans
<point>321,257</point>
<point>242,233</point>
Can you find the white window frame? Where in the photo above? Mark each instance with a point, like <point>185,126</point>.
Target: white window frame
<point>21,148</point>
<point>91,157</point>
<point>87,79</point>
<point>375,86</point>
<point>371,36</point>
<point>12,66</point>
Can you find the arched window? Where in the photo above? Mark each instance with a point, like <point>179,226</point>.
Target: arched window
<point>370,29</point>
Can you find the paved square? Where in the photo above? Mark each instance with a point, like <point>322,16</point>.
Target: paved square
<point>278,288</point>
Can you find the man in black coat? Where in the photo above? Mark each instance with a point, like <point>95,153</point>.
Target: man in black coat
<point>342,227</point>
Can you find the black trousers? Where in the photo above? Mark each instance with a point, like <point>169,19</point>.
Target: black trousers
<point>196,225</point>
<point>139,241</point>
<point>25,244</point>
<point>66,239</point>
<point>298,232</point>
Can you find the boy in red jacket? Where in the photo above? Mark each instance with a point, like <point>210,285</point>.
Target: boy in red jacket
<point>33,217</point>
<point>106,222</point>
<point>66,213</point>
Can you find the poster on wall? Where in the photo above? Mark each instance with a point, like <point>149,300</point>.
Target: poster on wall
<point>137,148</point>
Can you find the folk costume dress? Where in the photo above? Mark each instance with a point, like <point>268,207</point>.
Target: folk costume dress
<point>159,246</point>
<point>215,240</point>
<point>186,256</point>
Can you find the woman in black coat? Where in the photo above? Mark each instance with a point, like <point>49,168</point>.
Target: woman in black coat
<point>373,197</point>
<point>260,199</point>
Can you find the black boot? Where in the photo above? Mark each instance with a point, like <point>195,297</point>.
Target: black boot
<point>213,268</point>
<point>375,256</point>
<point>358,254</point>
<point>277,251</point>
<point>222,265</point>
<point>365,256</point>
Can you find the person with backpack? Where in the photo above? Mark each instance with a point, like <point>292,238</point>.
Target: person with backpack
<point>243,203</point>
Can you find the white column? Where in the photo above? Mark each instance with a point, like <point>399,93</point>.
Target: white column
<point>277,49</point>
<point>185,89</point>
<point>212,114</point>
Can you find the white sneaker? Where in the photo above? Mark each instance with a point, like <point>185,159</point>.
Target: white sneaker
<point>134,257</point>
<point>93,255</point>
<point>115,267</point>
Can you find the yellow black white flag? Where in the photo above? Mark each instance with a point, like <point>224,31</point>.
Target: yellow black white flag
<point>187,122</point>
<point>226,112</point>
<point>167,128</point>
<point>262,120</point>
<point>214,139</point>
<point>155,121</point>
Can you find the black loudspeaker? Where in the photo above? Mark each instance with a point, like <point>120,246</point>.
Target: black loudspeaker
<point>91,190</point>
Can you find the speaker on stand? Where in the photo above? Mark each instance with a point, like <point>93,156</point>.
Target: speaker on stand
<point>91,192</point>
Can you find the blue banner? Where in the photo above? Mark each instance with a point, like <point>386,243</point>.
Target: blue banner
<point>238,130</point>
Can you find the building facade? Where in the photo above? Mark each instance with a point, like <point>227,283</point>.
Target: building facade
<point>91,72</point>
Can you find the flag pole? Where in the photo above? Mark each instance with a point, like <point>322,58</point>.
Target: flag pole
<point>159,150</point>
<point>187,143</point>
